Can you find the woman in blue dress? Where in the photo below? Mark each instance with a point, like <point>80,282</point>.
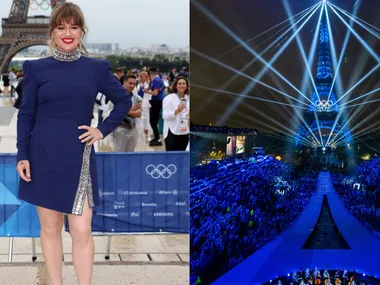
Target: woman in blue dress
<point>56,158</point>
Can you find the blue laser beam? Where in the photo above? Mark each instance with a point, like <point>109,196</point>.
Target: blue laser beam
<point>254,53</point>
<point>233,78</point>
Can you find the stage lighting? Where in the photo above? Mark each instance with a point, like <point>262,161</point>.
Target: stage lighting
<point>323,148</point>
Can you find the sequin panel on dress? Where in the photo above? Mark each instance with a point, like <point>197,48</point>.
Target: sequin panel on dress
<point>85,185</point>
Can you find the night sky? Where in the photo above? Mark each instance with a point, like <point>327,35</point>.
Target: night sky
<point>250,18</point>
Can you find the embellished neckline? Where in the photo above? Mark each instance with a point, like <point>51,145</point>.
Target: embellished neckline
<point>66,56</point>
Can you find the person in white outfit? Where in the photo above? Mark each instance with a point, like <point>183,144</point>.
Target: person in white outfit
<point>13,81</point>
<point>175,112</point>
<point>125,137</point>
<point>141,88</point>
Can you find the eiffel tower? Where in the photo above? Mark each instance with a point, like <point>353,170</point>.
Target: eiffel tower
<point>20,31</point>
<point>323,127</point>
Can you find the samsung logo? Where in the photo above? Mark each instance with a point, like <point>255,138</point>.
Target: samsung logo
<point>163,214</point>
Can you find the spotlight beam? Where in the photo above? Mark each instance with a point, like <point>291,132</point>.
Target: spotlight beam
<point>336,65</point>
<point>363,131</point>
<point>344,47</point>
<point>354,115</point>
<point>249,97</point>
<point>352,18</point>
<point>235,37</point>
<point>300,14</point>
<point>243,74</point>
<point>364,103</point>
<point>355,127</point>
<point>300,45</point>
<point>355,17</point>
<point>364,95</point>
<point>232,79</point>
<point>365,45</point>
<point>305,75</point>
<point>268,65</point>
<point>269,126</point>
<point>358,83</point>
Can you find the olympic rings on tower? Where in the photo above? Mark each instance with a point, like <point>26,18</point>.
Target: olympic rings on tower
<point>42,4</point>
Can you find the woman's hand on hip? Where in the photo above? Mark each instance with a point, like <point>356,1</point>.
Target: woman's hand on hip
<point>23,169</point>
<point>92,134</point>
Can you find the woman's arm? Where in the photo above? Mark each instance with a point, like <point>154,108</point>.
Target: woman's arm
<point>109,86</point>
<point>27,113</point>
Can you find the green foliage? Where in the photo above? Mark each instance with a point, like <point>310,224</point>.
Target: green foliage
<point>160,61</point>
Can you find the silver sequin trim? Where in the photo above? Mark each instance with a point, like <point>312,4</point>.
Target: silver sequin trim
<point>66,56</point>
<point>85,185</point>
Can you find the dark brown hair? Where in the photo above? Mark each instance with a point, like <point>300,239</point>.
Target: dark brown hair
<point>173,88</point>
<point>65,12</point>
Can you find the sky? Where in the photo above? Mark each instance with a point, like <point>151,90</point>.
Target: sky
<point>131,23</point>
<point>247,19</point>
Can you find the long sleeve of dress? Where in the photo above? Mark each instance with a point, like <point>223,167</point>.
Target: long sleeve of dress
<point>27,112</point>
<point>114,91</point>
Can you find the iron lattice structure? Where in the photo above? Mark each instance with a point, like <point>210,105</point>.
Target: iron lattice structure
<point>322,114</point>
<point>20,31</point>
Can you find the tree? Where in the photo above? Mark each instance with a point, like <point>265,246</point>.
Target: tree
<point>114,61</point>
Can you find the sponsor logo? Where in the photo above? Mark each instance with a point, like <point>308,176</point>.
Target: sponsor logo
<point>149,205</point>
<point>161,171</point>
<point>163,214</point>
<point>119,205</point>
<point>111,215</point>
<point>126,193</point>
<point>164,192</point>
<point>135,214</point>
<point>102,193</point>
<point>180,203</point>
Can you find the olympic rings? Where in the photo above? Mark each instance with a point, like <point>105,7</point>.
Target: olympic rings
<point>161,171</point>
<point>324,105</point>
<point>42,4</point>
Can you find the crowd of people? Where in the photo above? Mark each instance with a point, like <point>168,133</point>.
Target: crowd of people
<point>154,97</point>
<point>238,206</point>
<point>359,193</point>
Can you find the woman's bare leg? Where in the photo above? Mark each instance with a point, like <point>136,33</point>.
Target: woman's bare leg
<point>51,242</point>
<point>83,244</point>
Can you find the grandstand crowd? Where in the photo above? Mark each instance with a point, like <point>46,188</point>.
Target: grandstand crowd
<point>238,205</point>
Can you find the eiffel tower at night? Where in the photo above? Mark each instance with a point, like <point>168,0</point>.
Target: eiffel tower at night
<point>326,127</point>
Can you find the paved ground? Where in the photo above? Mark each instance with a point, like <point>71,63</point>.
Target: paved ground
<point>103,275</point>
<point>134,259</point>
